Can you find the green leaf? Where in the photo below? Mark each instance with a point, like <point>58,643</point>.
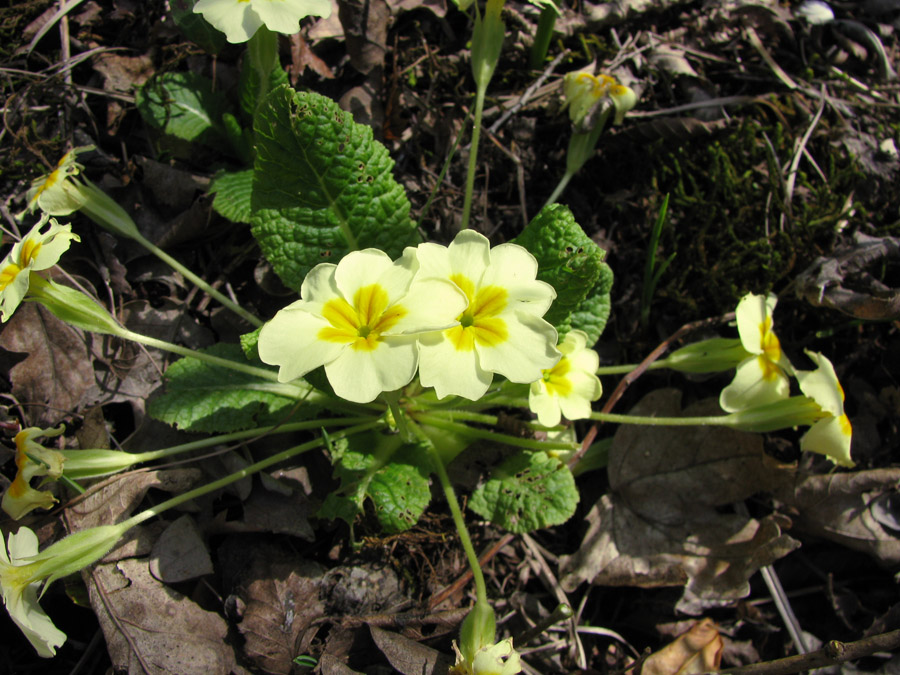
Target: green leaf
<point>203,397</point>
<point>591,314</point>
<point>232,192</point>
<point>573,264</point>
<point>527,492</point>
<point>184,105</point>
<point>195,28</point>
<point>322,187</point>
<point>377,467</point>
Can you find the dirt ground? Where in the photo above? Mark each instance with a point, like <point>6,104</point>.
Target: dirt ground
<point>775,140</point>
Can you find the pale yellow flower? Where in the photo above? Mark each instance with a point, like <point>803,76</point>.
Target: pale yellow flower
<point>240,19</point>
<point>32,460</point>
<point>568,388</point>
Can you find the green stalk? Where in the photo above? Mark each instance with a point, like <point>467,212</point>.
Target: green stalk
<point>444,420</point>
<point>544,34</point>
<point>456,513</point>
<point>106,212</point>
<point>473,154</point>
<point>243,473</point>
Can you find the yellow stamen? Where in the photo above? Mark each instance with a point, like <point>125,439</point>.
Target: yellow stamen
<point>479,324</point>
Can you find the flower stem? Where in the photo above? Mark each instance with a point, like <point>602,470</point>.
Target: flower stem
<point>243,473</point>
<point>480,92</point>
<point>719,420</point>
<point>456,513</point>
<point>444,420</point>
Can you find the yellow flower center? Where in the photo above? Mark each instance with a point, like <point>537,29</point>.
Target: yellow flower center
<point>479,324</point>
<point>555,379</point>
<point>361,324</point>
<point>30,251</point>
<point>844,423</point>
<point>771,347</point>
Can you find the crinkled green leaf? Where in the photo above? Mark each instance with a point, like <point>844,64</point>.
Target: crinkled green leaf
<point>591,314</point>
<point>195,28</point>
<point>202,397</point>
<point>378,467</point>
<point>232,192</point>
<point>573,264</point>
<point>322,187</point>
<point>527,492</point>
<point>184,105</point>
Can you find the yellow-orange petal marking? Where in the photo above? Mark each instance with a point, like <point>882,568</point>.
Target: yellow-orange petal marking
<point>362,324</point>
<point>479,324</point>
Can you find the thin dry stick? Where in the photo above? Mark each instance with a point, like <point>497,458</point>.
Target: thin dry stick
<point>832,653</point>
<point>467,575</point>
<point>795,162</point>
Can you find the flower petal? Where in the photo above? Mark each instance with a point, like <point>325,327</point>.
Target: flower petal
<point>752,312</point>
<point>363,268</point>
<point>451,371</point>
<point>830,437</point>
<point>528,351</point>
<point>754,385</point>
<point>542,404</point>
<point>236,18</point>
<point>290,341</point>
<point>822,385</point>
<point>361,375</point>
<point>283,16</point>
<point>431,304</point>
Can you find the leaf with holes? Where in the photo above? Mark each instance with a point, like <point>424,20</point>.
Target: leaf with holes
<point>376,467</point>
<point>573,264</point>
<point>527,492</point>
<point>322,187</point>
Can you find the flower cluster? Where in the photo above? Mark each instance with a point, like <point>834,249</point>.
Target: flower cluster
<point>583,91</point>
<point>35,252</point>
<point>458,314</point>
<point>240,19</point>
<point>761,385</point>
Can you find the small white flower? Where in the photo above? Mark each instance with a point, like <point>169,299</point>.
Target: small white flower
<point>37,251</point>
<point>359,319</point>
<point>832,434</point>
<point>568,388</point>
<point>240,19</point>
<point>501,331</point>
<point>815,12</point>
<point>761,378</point>
<point>20,593</point>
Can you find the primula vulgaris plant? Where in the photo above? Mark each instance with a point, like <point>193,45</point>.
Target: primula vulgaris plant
<point>397,353</point>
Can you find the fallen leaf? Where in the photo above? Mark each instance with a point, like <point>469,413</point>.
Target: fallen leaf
<point>408,656</point>
<point>150,628</point>
<point>846,508</point>
<point>180,553</point>
<point>697,651</point>
<point>115,499</point>
<point>365,32</point>
<point>281,605</point>
<point>660,525</point>
<point>330,665</point>
<point>52,381</point>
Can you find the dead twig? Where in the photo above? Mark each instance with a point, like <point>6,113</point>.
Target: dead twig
<point>831,654</point>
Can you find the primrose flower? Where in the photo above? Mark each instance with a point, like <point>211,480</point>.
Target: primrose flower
<point>568,387</point>
<point>359,319</point>
<point>240,19</point>
<point>762,377</point>
<point>832,434</point>
<point>20,593</point>
<point>37,251</point>
<point>583,91</point>
<point>32,459</point>
<point>501,331</point>
<point>23,569</point>
<point>497,659</point>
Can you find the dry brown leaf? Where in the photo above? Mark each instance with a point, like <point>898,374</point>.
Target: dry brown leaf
<point>114,499</point>
<point>149,628</point>
<point>180,553</point>
<point>408,656</point>
<point>330,665</point>
<point>281,604</point>
<point>697,651</point>
<point>302,57</point>
<point>839,507</point>
<point>53,380</point>
<point>659,525</point>
<point>365,31</point>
